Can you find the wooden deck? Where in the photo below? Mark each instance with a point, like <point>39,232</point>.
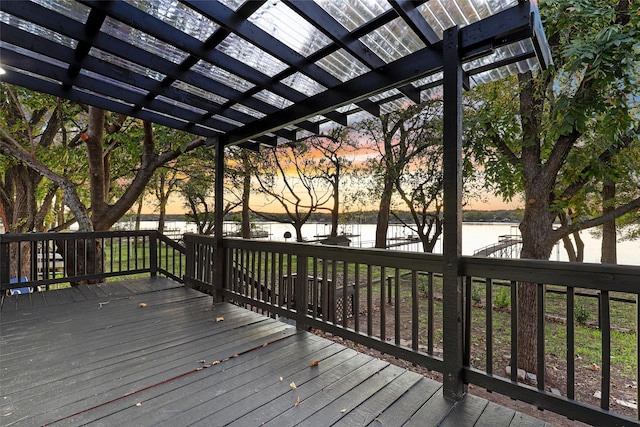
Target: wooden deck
<point>150,352</point>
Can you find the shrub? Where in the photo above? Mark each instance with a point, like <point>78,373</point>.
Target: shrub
<point>582,314</point>
<point>502,298</point>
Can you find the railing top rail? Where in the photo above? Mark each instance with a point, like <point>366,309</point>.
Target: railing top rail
<point>74,235</point>
<point>610,277</point>
<point>390,258</point>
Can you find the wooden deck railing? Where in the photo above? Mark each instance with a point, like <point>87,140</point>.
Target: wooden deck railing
<point>387,300</point>
<point>392,301</point>
<point>43,260</point>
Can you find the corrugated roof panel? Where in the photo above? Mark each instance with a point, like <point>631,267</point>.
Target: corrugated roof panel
<point>284,24</point>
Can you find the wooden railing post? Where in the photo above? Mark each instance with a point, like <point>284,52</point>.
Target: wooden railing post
<point>301,291</point>
<point>452,302</point>
<point>4,262</point>
<point>154,237</point>
<point>219,276</point>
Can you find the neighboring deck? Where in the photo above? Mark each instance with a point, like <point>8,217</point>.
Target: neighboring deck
<point>93,354</point>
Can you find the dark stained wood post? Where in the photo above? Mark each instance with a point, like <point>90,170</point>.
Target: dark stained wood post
<point>4,262</point>
<point>154,236</point>
<point>301,292</point>
<point>219,263</point>
<point>454,387</point>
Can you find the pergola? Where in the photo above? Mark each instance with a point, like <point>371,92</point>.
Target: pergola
<point>256,72</point>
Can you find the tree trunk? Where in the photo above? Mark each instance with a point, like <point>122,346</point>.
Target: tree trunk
<point>245,227</point>
<point>609,252</point>
<point>382,224</point>
<point>536,245</point>
<point>298,228</point>
<point>139,213</point>
<point>335,211</point>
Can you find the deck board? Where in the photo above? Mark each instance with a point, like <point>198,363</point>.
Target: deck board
<point>94,355</point>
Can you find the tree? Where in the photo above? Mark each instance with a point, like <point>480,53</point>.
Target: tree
<point>556,136</point>
<point>287,176</point>
<point>334,165</point>
<point>397,138</point>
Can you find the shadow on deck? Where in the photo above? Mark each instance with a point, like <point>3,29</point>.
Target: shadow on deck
<point>151,352</point>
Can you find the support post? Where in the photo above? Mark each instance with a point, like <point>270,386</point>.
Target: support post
<point>4,263</point>
<point>154,238</point>
<point>301,291</point>
<point>219,254</point>
<point>454,387</point>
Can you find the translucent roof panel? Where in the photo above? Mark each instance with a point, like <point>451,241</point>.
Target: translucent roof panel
<point>393,41</point>
<point>222,76</point>
<point>251,55</point>
<point>127,65</point>
<point>71,9</point>
<point>304,84</point>
<point>38,30</point>
<point>443,14</point>
<point>352,14</point>
<point>143,40</point>
<point>342,65</point>
<point>217,99</point>
<point>179,16</point>
<point>273,99</point>
<point>279,21</point>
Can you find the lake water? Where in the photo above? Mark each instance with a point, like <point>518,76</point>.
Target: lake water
<point>474,236</point>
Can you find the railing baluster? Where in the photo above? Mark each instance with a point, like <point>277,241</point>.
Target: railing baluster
<point>332,291</point>
<point>356,298</point>
<point>489,325</point>
<point>514,331</point>
<point>415,311</point>
<point>345,287</point>
<point>605,330</point>
<point>430,314</point>
<point>541,335</point>
<point>466,358</point>
<point>383,314</point>
<point>397,306</point>
<point>325,291</point>
<point>369,300</point>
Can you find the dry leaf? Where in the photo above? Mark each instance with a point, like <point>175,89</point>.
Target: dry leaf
<point>297,401</point>
<point>235,356</point>
<point>293,385</point>
<point>142,304</point>
<point>344,410</point>
<point>215,362</point>
<point>315,363</point>
<point>594,367</point>
<point>281,379</point>
<point>202,361</point>
<point>219,319</point>
<point>199,368</point>
<point>139,404</point>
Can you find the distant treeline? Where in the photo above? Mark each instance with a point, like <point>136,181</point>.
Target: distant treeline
<point>367,217</point>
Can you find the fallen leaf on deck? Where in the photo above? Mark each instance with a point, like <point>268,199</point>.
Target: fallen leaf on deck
<point>293,385</point>
<point>297,401</point>
<point>215,362</point>
<point>142,304</point>
<point>199,368</point>
<point>202,361</point>
<point>344,410</point>
<point>235,356</point>
<point>281,379</point>
<point>315,363</point>
<point>219,319</point>
<point>139,404</point>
